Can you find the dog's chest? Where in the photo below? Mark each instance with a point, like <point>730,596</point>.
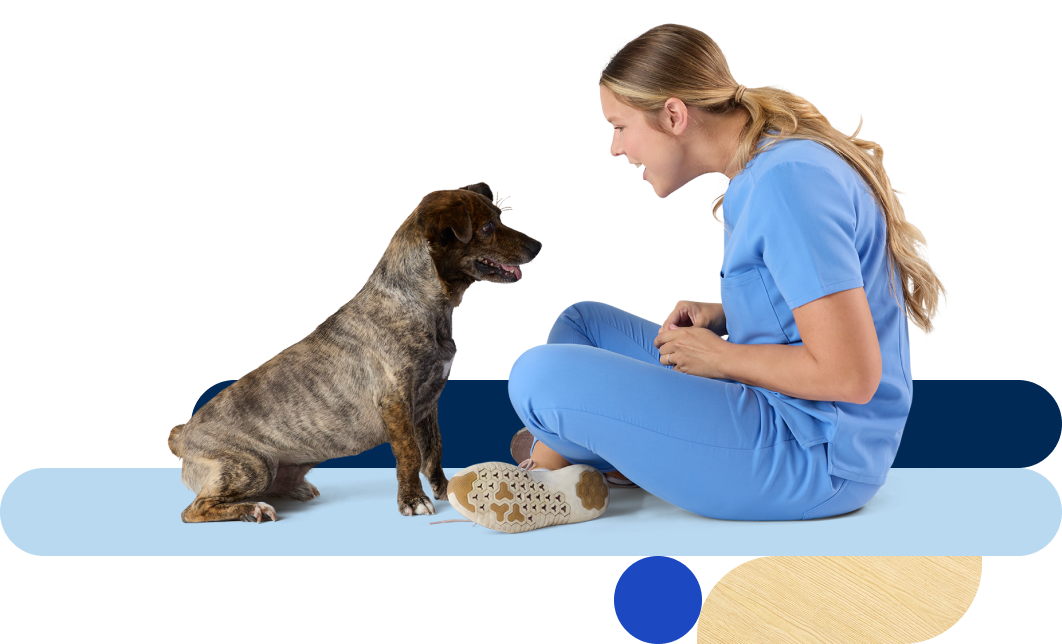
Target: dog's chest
<point>426,397</point>
<point>446,347</point>
<point>433,375</point>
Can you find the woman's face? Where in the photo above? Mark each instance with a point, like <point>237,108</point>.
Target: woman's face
<point>633,138</point>
<point>685,147</point>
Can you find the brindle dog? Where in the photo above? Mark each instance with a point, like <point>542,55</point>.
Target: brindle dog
<point>372,373</point>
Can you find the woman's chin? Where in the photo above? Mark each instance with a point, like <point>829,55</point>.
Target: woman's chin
<point>661,191</point>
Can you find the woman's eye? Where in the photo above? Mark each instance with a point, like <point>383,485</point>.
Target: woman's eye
<point>489,227</point>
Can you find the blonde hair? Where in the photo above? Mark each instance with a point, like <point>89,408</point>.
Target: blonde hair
<point>682,62</point>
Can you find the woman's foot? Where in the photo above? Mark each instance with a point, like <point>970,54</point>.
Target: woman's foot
<point>520,447</point>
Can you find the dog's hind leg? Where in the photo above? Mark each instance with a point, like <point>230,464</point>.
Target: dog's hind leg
<point>429,442</point>
<point>290,482</point>
<point>223,494</point>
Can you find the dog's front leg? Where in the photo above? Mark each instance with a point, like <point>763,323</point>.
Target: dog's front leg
<point>429,440</point>
<point>396,411</point>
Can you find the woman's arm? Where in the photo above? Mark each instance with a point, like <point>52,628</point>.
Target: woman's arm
<point>839,360</point>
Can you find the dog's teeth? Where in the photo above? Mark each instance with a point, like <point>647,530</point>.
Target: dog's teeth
<point>498,266</point>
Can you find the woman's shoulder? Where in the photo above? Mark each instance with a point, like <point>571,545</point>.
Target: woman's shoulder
<point>778,158</point>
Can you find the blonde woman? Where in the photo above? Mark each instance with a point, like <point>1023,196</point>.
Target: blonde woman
<point>798,413</point>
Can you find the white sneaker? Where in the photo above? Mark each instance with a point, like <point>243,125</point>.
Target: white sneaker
<point>504,497</point>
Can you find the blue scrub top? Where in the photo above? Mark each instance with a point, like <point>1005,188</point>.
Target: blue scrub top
<point>802,224</point>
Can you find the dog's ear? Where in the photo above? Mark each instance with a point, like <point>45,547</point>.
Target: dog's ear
<point>441,209</point>
<point>481,189</point>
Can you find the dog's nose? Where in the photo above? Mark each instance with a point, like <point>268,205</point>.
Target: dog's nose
<point>532,247</point>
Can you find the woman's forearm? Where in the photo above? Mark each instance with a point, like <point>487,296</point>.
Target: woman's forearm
<point>788,369</point>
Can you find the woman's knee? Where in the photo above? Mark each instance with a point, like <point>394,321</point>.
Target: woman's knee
<point>530,362</point>
<point>580,311</point>
<point>530,371</point>
<point>576,314</point>
<point>549,375</point>
<point>571,325</point>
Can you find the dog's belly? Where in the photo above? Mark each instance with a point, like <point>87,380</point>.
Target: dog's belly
<point>314,439</point>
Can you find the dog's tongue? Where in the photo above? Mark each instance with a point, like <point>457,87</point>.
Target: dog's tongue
<point>513,269</point>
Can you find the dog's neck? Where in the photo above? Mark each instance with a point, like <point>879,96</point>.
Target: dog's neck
<point>409,272</point>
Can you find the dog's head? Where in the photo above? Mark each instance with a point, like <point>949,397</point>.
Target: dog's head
<point>468,240</point>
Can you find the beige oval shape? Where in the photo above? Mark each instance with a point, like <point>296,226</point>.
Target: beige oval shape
<point>839,600</point>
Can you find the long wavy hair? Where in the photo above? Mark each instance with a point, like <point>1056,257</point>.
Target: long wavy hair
<point>682,62</point>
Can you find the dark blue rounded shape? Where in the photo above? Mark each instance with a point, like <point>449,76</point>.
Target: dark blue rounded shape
<point>209,394</point>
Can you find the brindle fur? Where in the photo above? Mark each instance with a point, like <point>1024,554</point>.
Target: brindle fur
<point>372,373</point>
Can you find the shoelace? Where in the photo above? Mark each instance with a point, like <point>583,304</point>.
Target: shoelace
<point>527,464</point>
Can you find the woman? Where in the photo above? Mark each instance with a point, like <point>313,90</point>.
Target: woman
<point>798,415</point>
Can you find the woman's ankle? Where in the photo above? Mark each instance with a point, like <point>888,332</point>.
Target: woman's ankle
<point>547,459</point>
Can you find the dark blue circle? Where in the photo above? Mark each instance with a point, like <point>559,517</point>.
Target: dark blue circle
<point>209,394</point>
<point>658,600</point>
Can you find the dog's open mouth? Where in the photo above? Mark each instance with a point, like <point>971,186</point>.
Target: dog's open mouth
<point>504,272</point>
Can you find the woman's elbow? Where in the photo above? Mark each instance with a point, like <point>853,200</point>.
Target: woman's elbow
<point>863,383</point>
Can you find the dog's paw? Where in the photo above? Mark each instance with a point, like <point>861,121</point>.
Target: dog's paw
<point>416,505</point>
<point>258,511</point>
<point>305,492</point>
<point>439,491</point>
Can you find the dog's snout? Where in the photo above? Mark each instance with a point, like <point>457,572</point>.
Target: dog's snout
<point>528,244</point>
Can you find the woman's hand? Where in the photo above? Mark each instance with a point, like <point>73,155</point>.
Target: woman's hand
<point>689,339</point>
<point>704,315</point>
<point>691,350</point>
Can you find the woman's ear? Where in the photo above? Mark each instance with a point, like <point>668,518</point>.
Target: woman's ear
<point>675,116</point>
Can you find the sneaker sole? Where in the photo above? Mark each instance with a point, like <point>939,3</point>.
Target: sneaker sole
<point>504,497</point>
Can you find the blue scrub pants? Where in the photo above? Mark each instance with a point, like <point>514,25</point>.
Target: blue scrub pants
<point>597,394</point>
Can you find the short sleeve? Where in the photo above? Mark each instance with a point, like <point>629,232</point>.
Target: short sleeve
<point>803,224</point>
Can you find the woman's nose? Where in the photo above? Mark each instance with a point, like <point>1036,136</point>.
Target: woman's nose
<point>616,148</point>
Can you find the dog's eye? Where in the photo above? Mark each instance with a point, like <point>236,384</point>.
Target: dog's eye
<point>489,227</point>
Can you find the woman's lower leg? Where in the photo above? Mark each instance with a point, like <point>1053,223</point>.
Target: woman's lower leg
<point>546,459</point>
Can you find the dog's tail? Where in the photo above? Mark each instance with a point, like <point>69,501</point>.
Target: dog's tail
<point>175,440</point>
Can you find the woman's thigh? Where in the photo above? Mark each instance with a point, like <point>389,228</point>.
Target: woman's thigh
<point>607,327</point>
